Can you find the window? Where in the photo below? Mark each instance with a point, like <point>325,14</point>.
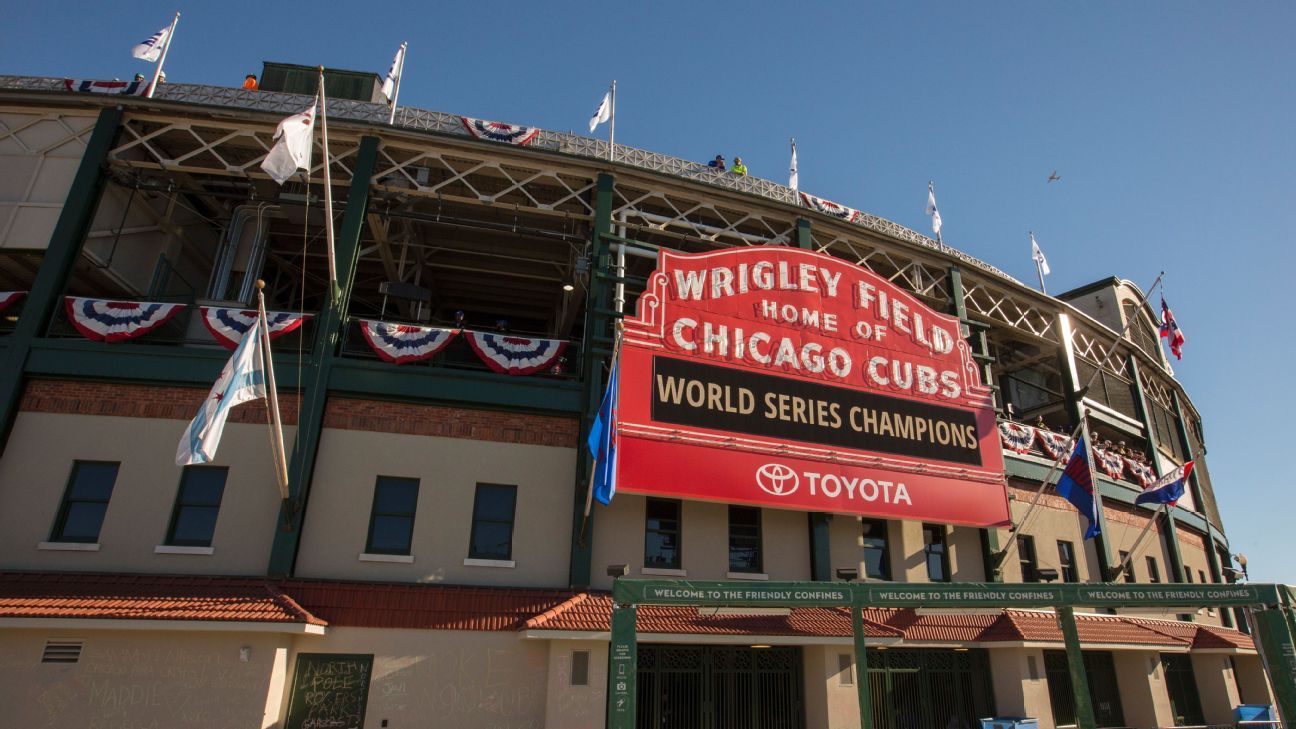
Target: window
<point>1188,575</point>
<point>492,527</point>
<point>1202,575</point>
<point>580,668</point>
<point>1026,555</point>
<point>1066,562</point>
<point>85,502</point>
<point>1129,566</point>
<point>193,522</point>
<point>877,558</point>
<point>662,534</point>
<point>845,662</point>
<point>744,539</point>
<point>391,522</point>
<point>1154,573</point>
<point>934,548</point>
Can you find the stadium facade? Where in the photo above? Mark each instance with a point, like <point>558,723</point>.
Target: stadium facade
<point>432,564</point>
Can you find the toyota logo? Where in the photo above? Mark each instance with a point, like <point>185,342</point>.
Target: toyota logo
<point>777,479</point>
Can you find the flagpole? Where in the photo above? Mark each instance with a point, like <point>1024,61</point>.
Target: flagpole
<point>589,491</point>
<point>157,73</point>
<point>335,292</point>
<point>1137,543</point>
<point>272,398</point>
<point>400,73</point>
<point>612,127</point>
<point>1039,268</point>
<point>1066,456</point>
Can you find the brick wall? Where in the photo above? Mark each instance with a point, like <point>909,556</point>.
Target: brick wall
<point>80,397</point>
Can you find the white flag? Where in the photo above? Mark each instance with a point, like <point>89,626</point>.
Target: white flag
<point>292,150</point>
<point>393,73</point>
<point>1038,255</point>
<point>604,112</point>
<point>932,211</point>
<point>792,172</point>
<point>242,380</point>
<point>151,49</point>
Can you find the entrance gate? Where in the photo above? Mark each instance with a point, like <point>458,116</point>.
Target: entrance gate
<point>720,687</point>
<point>914,689</point>
<point>1270,608</point>
<point>1104,691</point>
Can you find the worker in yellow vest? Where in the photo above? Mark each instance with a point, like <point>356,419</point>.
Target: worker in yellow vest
<point>738,167</point>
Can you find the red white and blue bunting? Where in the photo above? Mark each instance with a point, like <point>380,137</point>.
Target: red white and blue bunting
<point>1016,437</point>
<point>8,297</point>
<point>499,131</point>
<point>1055,445</point>
<point>229,325</point>
<point>506,353</point>
<point>1112,464</point>
<point>1142,472</point>
<point>828,207</point>
<point>123,88</point>
<point>404,343</point>
<point>102,320</point>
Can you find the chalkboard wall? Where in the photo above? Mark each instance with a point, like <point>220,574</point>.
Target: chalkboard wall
<point>330,691</point>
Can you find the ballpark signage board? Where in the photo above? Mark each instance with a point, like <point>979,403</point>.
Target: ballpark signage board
<point>783,378</point>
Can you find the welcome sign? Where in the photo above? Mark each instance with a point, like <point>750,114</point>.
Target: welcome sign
<point>778,377</point>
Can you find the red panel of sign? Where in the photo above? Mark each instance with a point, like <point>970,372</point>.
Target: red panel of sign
<point>784,378</point>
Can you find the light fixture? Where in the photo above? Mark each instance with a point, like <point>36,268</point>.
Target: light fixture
<point>1242,562</point>
<point>759,646</point>
<point>846,575</point>
<point>1047,574</point>
<point>568,288</point>
<point>960,650</point>
<point>618,570</point>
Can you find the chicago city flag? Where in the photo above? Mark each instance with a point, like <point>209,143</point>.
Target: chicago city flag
<point>1169,489</point>
<point>602,443</point>
<point>242,380</point>
<point>1076,485</point>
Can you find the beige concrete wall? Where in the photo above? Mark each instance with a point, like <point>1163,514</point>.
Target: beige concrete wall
<point>1144,699</point>
<point>140,680</point>
<point>1252,684</point>
<point>462,679</point>
<point>576,707</point>
<point>1216,687</point>
<point>618,538</point>
<point>966,561</point>
<point>1018,691</point>
<point>38,460</point>
<point>448,469</point>
<point>829,703</point>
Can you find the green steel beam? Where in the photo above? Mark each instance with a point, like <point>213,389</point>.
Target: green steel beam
<point>56,266</point>
<point>422,384</point>
<point>623,669</point>
<point>820,546</point>
<point>1084,712</point>
<point>1212,552</point>
<point>861,670</point>
<point>1075,410</point>
<point>596,300</point>
<point>1141,412</point>
<point>329,329</point>
<point>1278,649</point>
<point>803,237</point>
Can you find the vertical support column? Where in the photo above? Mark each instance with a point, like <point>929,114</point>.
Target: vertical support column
<point>330,327</point>
<point>1075,662</point>
<point>861,669</point>
<point>623,669</point>
<point>597,346</point>
<point>60,257</point>
<point>1212,554</point>
<point>989,537</point>
<point>803,237</point>
<point>1141,410</point>
<point>1278,650</point>
<point>1076,409</point>
<point>820,546</point>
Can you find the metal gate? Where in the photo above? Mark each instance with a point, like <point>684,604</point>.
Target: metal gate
<point>929,689</point>
<point>720,687</point>
<point>1185,703</point>
<point>1104,690</point>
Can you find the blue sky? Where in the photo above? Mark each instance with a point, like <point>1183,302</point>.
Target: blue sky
<point>1170,123</point>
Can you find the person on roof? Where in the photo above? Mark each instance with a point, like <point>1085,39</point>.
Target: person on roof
<point>739,168</point>
<point>717,163</point>
<point>250,82</point>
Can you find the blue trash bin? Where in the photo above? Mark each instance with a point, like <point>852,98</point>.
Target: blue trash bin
<point>1009,722</point>
<point>1254,712</point>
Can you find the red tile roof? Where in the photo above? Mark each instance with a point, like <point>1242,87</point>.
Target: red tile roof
<point>146,597</point>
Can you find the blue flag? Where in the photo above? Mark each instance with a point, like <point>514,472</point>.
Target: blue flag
<point>1168,489</point>
<point>602,442</point>
<point>1076,485</point>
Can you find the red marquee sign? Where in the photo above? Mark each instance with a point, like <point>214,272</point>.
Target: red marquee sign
<point>783,378</point>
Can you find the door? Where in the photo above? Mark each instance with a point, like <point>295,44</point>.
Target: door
<point>720,687</point>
